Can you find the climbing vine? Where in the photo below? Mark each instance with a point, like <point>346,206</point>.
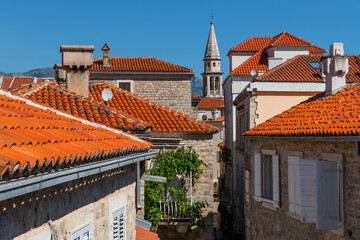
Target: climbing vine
<point>176,167</point>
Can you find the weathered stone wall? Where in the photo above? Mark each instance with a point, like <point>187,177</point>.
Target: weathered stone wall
<point>277,223</point>
<point>71,205</point>
<point>171,91</point>
<point>202,191</point>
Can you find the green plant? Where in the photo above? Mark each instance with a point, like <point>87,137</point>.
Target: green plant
<point>175,164</point>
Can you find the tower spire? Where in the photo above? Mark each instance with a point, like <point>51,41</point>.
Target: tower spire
<point>212,50</point>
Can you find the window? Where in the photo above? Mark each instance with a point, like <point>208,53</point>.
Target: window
<point>315,64</point>
<point>266,177</point>
<point>212,83</point>
<point>314,190</point>
<point>222,133</point>
<point>82,233</point>
<point>118,224</point>
<point>213,64</point>
<point>125,84</point>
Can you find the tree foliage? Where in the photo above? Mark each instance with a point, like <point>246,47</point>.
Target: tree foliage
<point>175,165</point>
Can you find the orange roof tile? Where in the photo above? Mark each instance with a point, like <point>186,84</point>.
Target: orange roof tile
<point>258,62</point>
<point>137,64</point>
<point>162,118</point>
<point>34,139</point>
<point>220,119</point>
<point>222,144</point>
<point>287,39</point>
<point>142,234</point>
<point>252,44</point>
<point>298,69</point>
<point>11,83</point>
<point>195,96</point>
<point>335,115</point>
<point>60,98</point>
<point>207,103</point>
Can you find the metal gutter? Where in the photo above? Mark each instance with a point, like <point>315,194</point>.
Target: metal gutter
<point>143,223</point>
<point>17,187</point>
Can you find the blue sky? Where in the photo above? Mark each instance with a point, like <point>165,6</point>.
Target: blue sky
<point>174,31</point>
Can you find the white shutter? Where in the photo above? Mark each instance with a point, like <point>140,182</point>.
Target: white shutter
<point>247,185</point>
<point>291,183</point>
<point>82,233</point>
<point>257,175</point>
<point>327,195</point>
<point>118,224</point>
<point>276,178</point>
<point>297,186</point>
<point>308,190</point>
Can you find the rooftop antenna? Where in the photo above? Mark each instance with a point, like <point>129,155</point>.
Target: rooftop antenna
<point>106,95</point>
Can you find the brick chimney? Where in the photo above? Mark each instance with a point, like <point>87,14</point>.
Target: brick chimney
<point>106,61</point>
<point>77,61</point>
<point>335,68</point>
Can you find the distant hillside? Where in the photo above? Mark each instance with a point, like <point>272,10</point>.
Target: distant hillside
<point>39,73</point>
<point>196,86</point>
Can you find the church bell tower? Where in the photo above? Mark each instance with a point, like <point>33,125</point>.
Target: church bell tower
<point>212,76</point>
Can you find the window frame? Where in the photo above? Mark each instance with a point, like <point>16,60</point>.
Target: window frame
<point>126,81</point>
<point>86,227</point>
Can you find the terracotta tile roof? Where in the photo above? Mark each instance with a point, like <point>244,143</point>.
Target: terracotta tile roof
<point>60,98</point>
<point>287,39</point>
<point>34,139</point>
<point>162,118</point>
<point>222,144</point>
<point>207,103</point>
<point>335,115</point>
<point>137,64</point>
<point>220,119</point>
<point>10,83</point>
<point>6,82</point>
<point>142,234</point>
<point>252,44</point>
<point>298,69</point>
<point>258,62</point>
<point>195,96</point>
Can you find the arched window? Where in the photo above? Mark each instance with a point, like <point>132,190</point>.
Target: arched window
<point>212,83</point>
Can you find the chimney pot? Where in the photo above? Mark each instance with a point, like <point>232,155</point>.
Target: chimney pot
<point>106,59</point>
<point>77,61</point>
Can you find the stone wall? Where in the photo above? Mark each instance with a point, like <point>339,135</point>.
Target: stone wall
<point>267,222</point>
<point>71,205</point>
<point>203,191</point>
<point>171,91</point>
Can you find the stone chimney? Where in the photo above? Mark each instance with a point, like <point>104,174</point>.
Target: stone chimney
<point>77,61</point>
<point>60,74</point>
<point>106,61</point>
<point>335,68</point>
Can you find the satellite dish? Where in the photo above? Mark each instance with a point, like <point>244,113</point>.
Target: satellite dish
<point>253,73</point>
<point>106,94</point>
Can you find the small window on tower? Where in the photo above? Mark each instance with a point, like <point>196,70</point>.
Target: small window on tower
<point>208,64</point>
<point>213,64</point>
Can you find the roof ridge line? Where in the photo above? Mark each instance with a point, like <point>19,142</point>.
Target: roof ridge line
<point>178,113</point>
<point>84,121</point>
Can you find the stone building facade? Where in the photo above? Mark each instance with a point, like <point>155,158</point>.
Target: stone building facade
<point>265,220</point>
<point>72,205</point>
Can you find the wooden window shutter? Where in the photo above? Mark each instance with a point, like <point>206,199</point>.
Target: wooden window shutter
<point>276,178</point>
<point>257,175</point>
<point>327,195</point>
<point>291,183</point>
<point>308,190</point>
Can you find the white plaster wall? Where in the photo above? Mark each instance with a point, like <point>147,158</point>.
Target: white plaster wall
<point>289,52</point>
<point>236,59</point>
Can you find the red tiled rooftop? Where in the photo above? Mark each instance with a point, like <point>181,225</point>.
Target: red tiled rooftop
<point>142,234</point>
<point>195,96</point>
<point>10,83</point>
<point>207,103</point>
<point>298,69</point>
<point>34,139</point>
<point>60,98</point>
<point>220,119</point>
<point>222,144</point>
<point>258,62</point>
<point>163,119</point>
<point>335,115</point>
<point>252,44</point>
<point>137,64</point>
